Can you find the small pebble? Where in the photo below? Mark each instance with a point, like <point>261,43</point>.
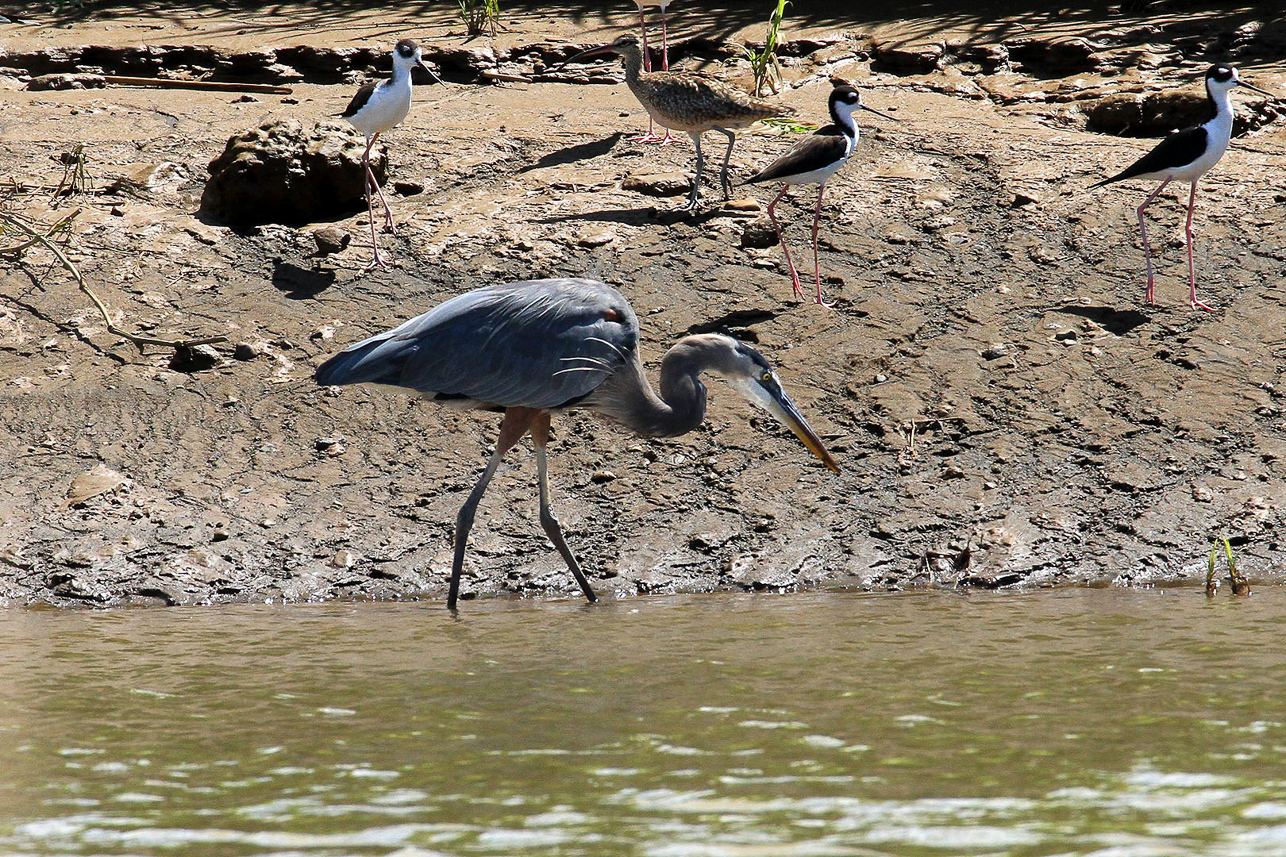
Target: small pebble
<point>331,239</point>
<point>324,443</point>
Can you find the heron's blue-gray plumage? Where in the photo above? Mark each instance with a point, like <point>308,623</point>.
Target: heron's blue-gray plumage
<point>533,344</point>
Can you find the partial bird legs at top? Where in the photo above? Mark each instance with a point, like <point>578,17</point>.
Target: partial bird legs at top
<point>651,136</point>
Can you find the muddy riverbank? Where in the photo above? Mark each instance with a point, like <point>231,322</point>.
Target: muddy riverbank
<point>1007,409</point>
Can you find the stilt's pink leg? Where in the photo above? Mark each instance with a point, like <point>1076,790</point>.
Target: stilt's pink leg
<point>1147,249</point>
<point>376,261</point>
<point>794,275</point>
<point>665,50</point>
<point>665,66</point>
<point>647,55</point>
<point>1192,268</point>
<point>388,212</point>
<point>817,271</point>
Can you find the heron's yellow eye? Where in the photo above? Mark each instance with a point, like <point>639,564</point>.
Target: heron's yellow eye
<point>766,377</point>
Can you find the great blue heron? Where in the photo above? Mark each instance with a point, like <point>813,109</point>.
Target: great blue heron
<point>539,346</point>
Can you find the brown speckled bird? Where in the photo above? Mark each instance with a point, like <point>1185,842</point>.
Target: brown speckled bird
<point>685,101</point>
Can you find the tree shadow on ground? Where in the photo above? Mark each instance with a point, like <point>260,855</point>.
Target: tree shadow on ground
<point>975,21</point>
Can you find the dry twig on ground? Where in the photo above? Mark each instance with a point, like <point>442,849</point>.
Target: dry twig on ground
<point>35,237</point>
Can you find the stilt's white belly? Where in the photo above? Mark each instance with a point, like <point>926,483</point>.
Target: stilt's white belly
<point>816,176</point>
<point>387,107</point>
<point>1215,148</point>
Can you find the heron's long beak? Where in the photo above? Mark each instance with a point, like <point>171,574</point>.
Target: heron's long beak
<point>1256,88</point>
<point>879,113</point>
<point>777,403</point>
<point>592,52</point>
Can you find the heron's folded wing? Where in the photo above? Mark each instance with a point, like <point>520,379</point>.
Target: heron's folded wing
<point>540,344</point>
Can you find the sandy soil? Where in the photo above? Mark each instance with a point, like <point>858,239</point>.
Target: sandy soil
<point>1008,410</point>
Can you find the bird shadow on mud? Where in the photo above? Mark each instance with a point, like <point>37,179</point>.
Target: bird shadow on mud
<point>737,323</point>
<point>1117,321</point>
<point>300,283</point>
<point>579,152</point>
<point>636,216</point>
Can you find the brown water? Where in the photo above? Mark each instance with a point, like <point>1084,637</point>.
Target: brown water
<point>1103,722</point>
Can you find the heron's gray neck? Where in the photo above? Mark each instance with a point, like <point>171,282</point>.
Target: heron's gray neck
<point>628,397</point>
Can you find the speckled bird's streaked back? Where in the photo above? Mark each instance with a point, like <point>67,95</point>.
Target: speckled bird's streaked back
<point>686,101</point>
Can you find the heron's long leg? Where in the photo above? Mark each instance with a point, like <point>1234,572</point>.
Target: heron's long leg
<point>781,239</point>
<point>696,183</point>
<point>1192,268</point>
<point>1143,230</point>
<point>512,428</point>
<point>540,436</point>
<point>723,175</point>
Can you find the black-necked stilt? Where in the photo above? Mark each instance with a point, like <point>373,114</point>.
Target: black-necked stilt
<point>689,102</point>
<point>813,160</point>
<point>651,136</point>
<point>379,107</point>
<point>1187,155</point>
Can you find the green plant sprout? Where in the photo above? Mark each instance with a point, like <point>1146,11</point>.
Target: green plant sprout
<point>1240,586</point>
<point>480,16</point>
<point>763,63</point>
<point>788,126</point>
